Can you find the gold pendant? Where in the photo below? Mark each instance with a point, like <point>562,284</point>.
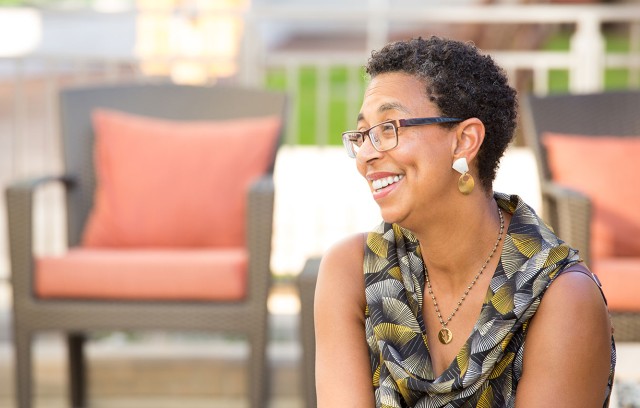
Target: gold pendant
<point>445,336</point>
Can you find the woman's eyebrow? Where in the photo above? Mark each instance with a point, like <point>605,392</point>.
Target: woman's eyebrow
<point>387,107</point>
<point>392,106</point>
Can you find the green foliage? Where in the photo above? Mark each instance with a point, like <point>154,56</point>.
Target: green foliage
<point>306,103</point>
<point>11,3</point>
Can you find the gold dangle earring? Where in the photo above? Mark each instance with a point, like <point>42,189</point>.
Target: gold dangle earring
<point>465,182</point>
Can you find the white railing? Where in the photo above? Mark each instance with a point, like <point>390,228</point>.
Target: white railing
<point>29,143</point>
<point>586,61</point>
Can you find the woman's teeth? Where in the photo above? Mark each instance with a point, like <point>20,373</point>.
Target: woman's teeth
<point>384,182</point>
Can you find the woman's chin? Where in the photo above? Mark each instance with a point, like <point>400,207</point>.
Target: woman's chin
<point>391,217</point>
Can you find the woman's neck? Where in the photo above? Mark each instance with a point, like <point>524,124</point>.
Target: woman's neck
<point>457,241</point>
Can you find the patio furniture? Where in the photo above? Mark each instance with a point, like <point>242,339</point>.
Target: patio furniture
<point>587,150</point>
<point>307,287</point>
<point>202,157</point>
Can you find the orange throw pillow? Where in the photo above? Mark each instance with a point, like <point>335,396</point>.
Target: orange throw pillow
<point>606,169</point>
<point>166,183</point>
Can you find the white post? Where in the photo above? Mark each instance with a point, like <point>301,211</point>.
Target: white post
<point>588,50</point>
<point>377,24</point>
<point>249,61</point>
<point>540,80</point>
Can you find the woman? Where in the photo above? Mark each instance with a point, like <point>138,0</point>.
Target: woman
<point>450,301</point>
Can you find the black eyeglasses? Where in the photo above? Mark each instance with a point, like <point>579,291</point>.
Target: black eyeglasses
<point>384,136</point>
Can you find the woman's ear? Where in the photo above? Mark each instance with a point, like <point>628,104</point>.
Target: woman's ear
<point>469,138</point>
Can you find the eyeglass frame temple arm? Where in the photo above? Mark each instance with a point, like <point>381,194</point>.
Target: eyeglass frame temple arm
<point>426,121</point>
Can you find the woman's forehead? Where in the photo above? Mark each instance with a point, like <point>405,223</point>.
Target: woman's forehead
<point>398,92</point>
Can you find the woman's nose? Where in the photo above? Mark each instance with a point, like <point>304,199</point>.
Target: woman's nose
<point>367,151</point>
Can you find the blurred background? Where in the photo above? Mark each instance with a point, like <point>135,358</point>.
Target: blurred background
<point>313,50</point>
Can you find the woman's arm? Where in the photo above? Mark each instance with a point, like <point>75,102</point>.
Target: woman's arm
<point>343,372</point>
<point>568,347</point>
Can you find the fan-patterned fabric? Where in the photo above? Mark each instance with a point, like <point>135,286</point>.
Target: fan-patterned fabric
<point>487,369</point>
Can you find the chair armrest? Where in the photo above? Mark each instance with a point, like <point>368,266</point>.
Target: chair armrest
<point>569,213</point>
<point>19,196</point>
<point>307,288</point>
<point>259,231</point>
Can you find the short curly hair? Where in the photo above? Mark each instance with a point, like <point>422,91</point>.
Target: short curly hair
<point>462,83</point>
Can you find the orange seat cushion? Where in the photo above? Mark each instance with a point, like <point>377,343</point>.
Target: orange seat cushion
<point>169,184</point>
<point>606,169</point>
<point>620,278</point>
<point>171,274</point>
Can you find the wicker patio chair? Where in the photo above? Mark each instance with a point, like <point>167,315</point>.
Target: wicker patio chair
<point>567,210</point>
<point>77,317</point>
<point>307,288</point>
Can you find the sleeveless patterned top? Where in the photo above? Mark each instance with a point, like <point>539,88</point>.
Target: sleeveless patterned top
<point>486,371</point>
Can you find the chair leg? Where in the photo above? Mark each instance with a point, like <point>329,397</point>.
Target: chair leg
<point>259,378</point>
<point>23,366</point>
<point>77,370</point>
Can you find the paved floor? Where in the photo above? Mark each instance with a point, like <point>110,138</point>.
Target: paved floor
<point>191,374</point>
<point>159,369</point>
<point>156,373</point>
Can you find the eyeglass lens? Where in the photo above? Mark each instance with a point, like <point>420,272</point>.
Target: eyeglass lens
<point>383,136</point>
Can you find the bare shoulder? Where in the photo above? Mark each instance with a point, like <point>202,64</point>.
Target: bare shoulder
<point>574,292</point>
<point>341,269</point>
<point>346,253</point>
<point>576,286</point>
<point>574,301</point>
<point>340,328</point>
<point>574,308</point>
<point>557,356</point>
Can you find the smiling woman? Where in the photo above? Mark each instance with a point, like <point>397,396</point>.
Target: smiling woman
<point>435,306</point>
